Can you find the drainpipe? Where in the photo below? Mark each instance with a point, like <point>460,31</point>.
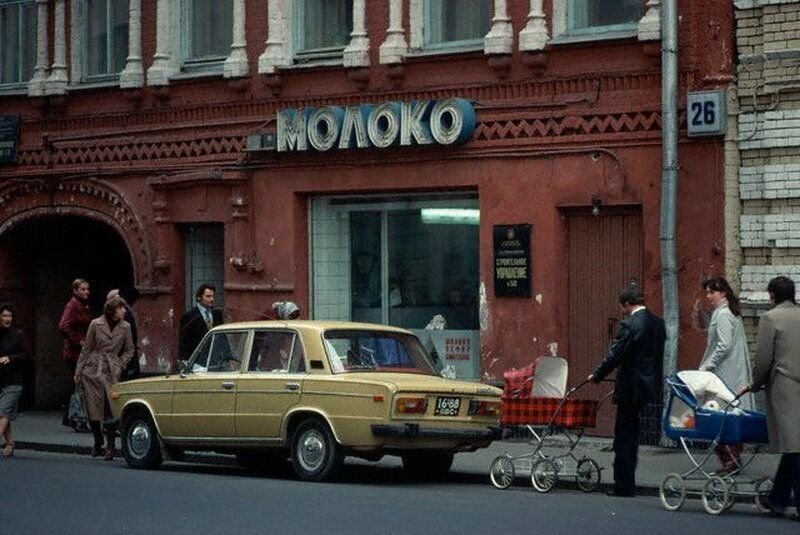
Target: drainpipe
<point>669,179</point>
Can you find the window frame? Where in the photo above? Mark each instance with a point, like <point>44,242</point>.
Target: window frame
<point>252,358</point>
<point>563,31</point>
<point>20,5</point>
<point>210,339</point>
<point>85,77</point>
<point>301,56</point>
<point>462,44</point>
<point>206,64</point>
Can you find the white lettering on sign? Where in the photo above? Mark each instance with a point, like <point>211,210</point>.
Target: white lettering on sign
<point>446,122</point>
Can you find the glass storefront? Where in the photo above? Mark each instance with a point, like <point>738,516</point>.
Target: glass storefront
<point>411,262</point>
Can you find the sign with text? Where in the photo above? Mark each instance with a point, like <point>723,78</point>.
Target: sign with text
<point>445,122</point>
<point>512,260</point>
<point>9,135</point>
<point>457,351</point>
<point>705,113</point>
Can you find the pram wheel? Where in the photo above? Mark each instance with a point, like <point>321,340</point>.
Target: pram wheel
<point>544,475</point>
<point>587,475</point>
<point>501,472</point>
<point>715,495</point>
<point>672,492</point>
<point>762,488</point>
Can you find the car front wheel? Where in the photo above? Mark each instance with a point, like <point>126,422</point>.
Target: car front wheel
<point>140,444</point>
<point>315,454</point>
<point>427,465</point>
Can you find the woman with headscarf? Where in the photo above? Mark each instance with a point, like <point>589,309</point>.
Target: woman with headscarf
<point>13,354</point>
<point>106,352</point>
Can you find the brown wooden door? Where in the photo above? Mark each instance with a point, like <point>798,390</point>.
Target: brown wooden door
<point>605,255</point>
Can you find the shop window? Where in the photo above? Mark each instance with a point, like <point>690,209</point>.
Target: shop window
<point>322,28</point>
<point>589,17</point>
<point>405,262</point>
<point>208,32</point>
<point>17,41</point>
<point>106,37</point>
<point>454,23</point>
<point>205,261</point>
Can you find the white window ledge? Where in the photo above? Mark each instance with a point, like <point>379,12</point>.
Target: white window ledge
<point>441,51</point>
<point>94,84</point>
<point>301,63</point>
<point>591,37</point>
<point>14,89</point>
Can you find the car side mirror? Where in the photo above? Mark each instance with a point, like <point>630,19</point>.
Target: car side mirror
<point>183,367</point>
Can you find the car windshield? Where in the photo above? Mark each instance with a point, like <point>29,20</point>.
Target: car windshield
<point>365,350</point>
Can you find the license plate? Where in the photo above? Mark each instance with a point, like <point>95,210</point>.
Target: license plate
<point>447,406</point>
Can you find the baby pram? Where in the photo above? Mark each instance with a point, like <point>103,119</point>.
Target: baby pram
<point>701,411</point>
<point>544,407</point>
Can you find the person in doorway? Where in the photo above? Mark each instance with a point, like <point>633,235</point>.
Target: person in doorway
<point>636,351</point>
<point>726,355</point>
<point>13,354</point>
<point>73,325</point>
<point>197,321</point>
<point>106,352</point>
<point>777,367</point>
<point>132,371</point>
<point>281,310</point>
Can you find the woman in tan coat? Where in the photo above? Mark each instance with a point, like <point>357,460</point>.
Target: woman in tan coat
<point>106,352</point>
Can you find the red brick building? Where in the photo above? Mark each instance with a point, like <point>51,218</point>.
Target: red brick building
<point>145,158</point>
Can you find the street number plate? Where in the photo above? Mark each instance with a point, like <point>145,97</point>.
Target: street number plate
<point>447,406</point>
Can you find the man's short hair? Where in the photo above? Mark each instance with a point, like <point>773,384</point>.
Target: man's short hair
<point>631,296</point>
<point>77,283</point>
<point>202,289</point>
<point>782,289</point>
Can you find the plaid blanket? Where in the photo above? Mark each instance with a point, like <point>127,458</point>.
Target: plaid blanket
<point>517,382</point>
<point>538,411</point>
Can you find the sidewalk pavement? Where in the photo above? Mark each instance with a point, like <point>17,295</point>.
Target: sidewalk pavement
<point>42,431</point>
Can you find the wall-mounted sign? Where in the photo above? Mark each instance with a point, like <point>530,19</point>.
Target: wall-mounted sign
<point>9,135</point>
<point>425,122</point>
<point>512,260</point>
<point>705,113</point>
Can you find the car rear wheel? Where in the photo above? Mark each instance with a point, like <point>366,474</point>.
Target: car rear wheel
<point>427,465</point>
<point>315,454</point>
<point>140,443</point>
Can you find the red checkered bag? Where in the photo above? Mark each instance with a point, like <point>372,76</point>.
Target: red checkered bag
<point>517,382</point>
<point>539,411</point>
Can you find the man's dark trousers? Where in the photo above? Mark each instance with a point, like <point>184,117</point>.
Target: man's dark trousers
<point>626,449</point>
<point>787,481</point>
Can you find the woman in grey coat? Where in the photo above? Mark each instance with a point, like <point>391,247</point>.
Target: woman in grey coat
<point>726,354</point>
<point>777,367</point>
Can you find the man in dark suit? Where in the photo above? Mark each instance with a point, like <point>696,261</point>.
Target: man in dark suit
<point>197,321</point>
<point>636,351</point>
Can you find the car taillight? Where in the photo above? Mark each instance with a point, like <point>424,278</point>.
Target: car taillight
<point>484,408</point>
<point>410,405</point>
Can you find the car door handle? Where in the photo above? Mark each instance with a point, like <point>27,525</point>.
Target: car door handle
<point>294,387</point>
<point>228,386</point>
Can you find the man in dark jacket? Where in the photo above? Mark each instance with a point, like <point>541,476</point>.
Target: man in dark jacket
<point>197,321</point>
<point>636,351</point>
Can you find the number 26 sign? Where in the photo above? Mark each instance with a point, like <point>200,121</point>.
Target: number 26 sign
<point>705,113</point>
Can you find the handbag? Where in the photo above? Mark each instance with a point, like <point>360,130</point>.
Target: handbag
<point>76,413</point>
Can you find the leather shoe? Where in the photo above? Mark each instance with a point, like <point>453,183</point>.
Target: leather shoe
<point>772,509</point>
<point>109,454</point>
<point>96,451</point>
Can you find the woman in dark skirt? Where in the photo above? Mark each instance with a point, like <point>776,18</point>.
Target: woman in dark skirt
<point>13,353</point>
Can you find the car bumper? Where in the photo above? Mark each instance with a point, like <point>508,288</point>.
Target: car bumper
<point>415,431</point>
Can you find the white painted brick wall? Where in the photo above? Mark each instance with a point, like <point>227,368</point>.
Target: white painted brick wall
<point>770,129</point>
<point>778,181</point>
<point>756,278</point>
<point>774,230</point>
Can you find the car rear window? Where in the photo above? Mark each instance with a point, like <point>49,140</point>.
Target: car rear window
<point>365,350</point>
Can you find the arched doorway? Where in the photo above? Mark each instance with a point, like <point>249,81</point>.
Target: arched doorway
<point>39,259</point>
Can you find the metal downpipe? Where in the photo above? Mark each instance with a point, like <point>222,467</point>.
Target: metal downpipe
<point>669,180</point>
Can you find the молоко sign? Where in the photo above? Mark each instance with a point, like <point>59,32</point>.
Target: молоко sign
<point>445,122</point>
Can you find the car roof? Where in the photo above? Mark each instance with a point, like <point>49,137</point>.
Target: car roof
<point>309,325</point>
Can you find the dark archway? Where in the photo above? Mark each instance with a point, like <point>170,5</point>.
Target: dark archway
<point>39,259</point>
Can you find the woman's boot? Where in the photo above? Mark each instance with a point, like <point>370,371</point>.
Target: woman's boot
<point>110,445</point>
<point>97,432</point>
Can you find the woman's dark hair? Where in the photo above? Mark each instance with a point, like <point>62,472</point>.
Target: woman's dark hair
<point>6,306</point>
<point>111,307</point>
<point>782,289</point>
<point>719,284</point>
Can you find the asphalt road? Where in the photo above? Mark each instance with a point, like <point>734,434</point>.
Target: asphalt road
<point>44,493</point>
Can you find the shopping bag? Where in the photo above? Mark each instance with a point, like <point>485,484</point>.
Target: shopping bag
<point>76,413</point>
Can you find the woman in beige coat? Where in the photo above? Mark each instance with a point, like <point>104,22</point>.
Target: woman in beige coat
<point>106,352</point>
<point>777,367</point>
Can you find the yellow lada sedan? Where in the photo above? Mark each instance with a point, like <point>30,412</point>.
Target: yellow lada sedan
<point>317,391</point>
